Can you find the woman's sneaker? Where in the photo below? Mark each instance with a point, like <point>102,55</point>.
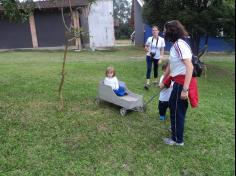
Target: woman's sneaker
<point>179,144</point>
<point>169,141</point>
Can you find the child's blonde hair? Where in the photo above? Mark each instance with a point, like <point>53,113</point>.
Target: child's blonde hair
<point>164,66</point>
<point>155,27</point>
<point>109,70</point>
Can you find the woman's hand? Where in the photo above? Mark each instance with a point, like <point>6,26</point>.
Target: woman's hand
<point>184,95</point>
<point>162,85</point>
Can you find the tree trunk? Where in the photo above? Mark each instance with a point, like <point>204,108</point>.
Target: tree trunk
<point>206,39</point>
<point>195,42</point>
<point>61,106</point>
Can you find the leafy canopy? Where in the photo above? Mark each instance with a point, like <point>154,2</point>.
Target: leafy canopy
<point>122,10</point>
<point>201,16</point>
<point>122,16</point>
<point>15,10</point>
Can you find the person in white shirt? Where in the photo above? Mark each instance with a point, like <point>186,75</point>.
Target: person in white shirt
<point>155,51</point>
<point>164,97</point>
<point>180,70</point>
<point>112,81</point>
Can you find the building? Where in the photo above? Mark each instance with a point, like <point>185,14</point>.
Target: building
<point>101,24</point>
<point>45,27</point>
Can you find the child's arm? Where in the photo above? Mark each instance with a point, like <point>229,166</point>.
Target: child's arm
<point>161,79</point>
<point>105,81</point>
<point>166,74</point>
<point>116,83</point>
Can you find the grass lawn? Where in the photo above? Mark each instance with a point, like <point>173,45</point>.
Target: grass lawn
<point>86,139</point>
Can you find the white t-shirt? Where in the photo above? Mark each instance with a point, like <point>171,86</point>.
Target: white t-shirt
<point>113,82</point>
<point>179,51</point>
<point>155,46</point>
<point>166,92</point>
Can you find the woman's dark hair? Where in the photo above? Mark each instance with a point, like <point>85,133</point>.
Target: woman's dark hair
<point>174,30</point>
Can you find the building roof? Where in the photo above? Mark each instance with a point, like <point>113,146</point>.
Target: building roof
<point>47,4</point>
<point>59,3</point>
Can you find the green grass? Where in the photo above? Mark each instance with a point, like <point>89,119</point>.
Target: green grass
<point>85,139</point>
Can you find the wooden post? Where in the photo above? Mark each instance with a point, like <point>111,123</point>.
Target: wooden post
<point>77,25</point>
<point>33,31</point>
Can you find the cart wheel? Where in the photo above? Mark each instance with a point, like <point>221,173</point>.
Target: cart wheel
<point>97,101</point>
<point>123,111</point>
<point>143,109</point>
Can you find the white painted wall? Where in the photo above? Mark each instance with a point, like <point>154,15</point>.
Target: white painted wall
<point>101,24</point>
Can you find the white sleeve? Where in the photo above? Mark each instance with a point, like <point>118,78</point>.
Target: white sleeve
<point>148,42</point>
<point>105,81</point>
<point>161,79</point>
<point>116,83</point>
<point>184,51</point>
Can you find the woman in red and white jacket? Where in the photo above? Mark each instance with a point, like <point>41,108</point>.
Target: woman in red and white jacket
<point>180,71</point>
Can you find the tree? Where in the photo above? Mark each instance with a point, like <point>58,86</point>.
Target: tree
<point>200,17</point>
<point>16,11</point>
<point>122,15</point>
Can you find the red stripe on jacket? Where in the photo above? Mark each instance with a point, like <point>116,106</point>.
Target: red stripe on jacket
<point>193,88</point>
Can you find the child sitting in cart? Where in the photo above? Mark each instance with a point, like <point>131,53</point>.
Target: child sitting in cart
<point>111,80</point>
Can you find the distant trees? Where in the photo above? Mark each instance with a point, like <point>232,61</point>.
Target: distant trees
<point>200,17</point>
<point>16,11</point>
<point>122,15</point>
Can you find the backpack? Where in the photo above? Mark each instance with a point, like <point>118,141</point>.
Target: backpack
<point>197,64</point>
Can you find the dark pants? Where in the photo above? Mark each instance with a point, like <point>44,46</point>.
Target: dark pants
<point>149,61</point>
<point>162,106</point>
<point>178,109</point>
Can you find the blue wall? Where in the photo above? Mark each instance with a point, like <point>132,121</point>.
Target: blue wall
<point>214,44</point>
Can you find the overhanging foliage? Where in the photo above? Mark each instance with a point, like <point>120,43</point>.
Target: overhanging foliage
<point>200,17</point>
